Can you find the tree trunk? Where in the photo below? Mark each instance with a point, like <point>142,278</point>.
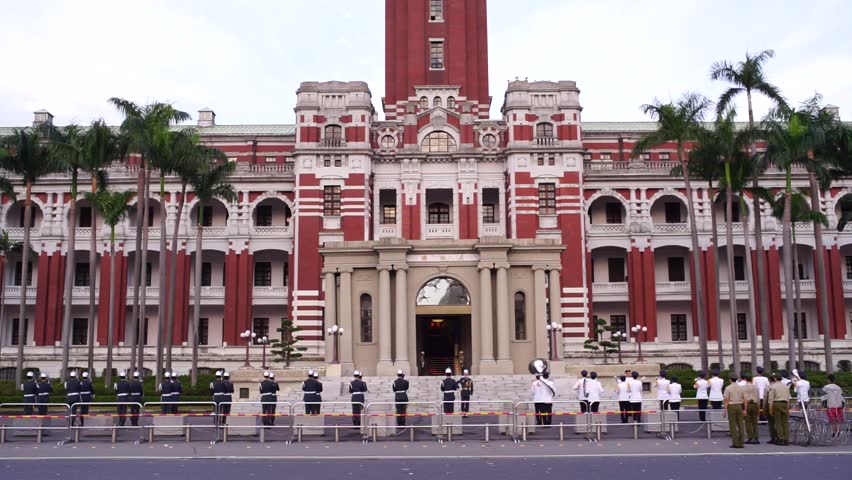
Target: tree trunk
<point>696,257</point>
<point>164,287</point>
<point>111,322</point>
<point>196,314</point>
<point>173,273</point>
<point>69,278</point>
<point>141,324</point>
<point>797,284</point>
<point>93,257</point>
<point>786,236</point>
<point>137,257</point>
<point>22,310</point>
<point>716,266</point>
<point>732,279</point>
<point>762,285</point>
<point>822,288</point>
<point>752,319</point>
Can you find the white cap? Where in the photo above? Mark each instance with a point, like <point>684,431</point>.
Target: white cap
<point>310,373</point>
<point>271,375</point>
<point>218,373</point>
<point>466,371</point>
<point>85,374</point>
<point>73,373</point>
<point>43,375</point>
<point>356,373</point>
<point>448,371</point>
<point>265,374</point>
<point>316,374</point>
<point>226,374</point>
<point>29,374</point>
<point>135,374</point>
<point>399,372</point>
<point>123,373</point>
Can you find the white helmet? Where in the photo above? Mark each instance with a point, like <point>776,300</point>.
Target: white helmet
<point>218,373</point>
<point>72,374</point>
<point>135,374</point>
<point>448,371</point>
<point>466,371</point>
<point>356,373</point>
<point>271,375</point>
<point>265,374</point>
<point>29,374</point>
<point>226,374</point>
<point>85,374</point>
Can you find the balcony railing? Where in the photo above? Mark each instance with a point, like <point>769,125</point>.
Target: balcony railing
<point>272,168</point>
<point>439,230</point>
<point>150,292</point>
<point>15,291</point>
<point>611,288</point>
<point>333,142</point>
<point>83,292</point>
<point>270,292</point>
<point>673,287</point>
<point>740,286</point>
<point>209,232</point>
<point>671,227</point>
<point>208,291</point>
<point>607,228</point>
<point>545,141</point>
<point>270,231</point>
<point>847,285</point>
<point>18,232</point>
<point>493,230</point>
<point>388,230</point>
<point>736,227</point>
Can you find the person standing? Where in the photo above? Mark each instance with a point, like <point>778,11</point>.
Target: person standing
<point>136,393</point>
<point>400,397</point>
<point>217,389</point>
<point>358,389</point>
<point>448,387</point>
<point>675,390</point>
<point>44,391</point>
<point>30,389</point>
<point>701,387</point>
<point>580,388</point>
<point>634,386</point>
<point>165,393</point>
<point>274,406</point>
<point>752,410</point>
<point>550,390</point>
<point>762,383</point>
<point>86,396</point>
<point>319,393</point>
<point>267,396</point>
<point>542,400</point>
<point>834,403</point>
<point>622,388</point>
<point>778,397</point>
<point>310,395</point>
<point>177,390</point>
<point>803,389</point>
<point>227,396</point>
<point>466,384</point>
<point>663,390</point>
<point>122,391</point>
<point>734,399</point>
<point>594,389</point>
<point>72,393</point>
<point>717,397</point>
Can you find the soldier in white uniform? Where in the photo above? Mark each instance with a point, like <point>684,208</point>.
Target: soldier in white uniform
<point>635,388</point>
<point>675,389</point>
<point>663,390</point>
<point>717,396</point>
<point>623,390</point>
<point>701,386</point>
<point>594,389</point>
<point>580,388</point>
<point>762,384</point>
<point>802,387</point>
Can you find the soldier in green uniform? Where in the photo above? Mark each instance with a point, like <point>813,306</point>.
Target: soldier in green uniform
<point>735,407</point>
<point>778,398</point>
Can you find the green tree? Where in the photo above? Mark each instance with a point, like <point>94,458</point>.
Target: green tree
<point>748,77</point>
<point>114,207</point>
<point>597,343</point>
<point>210,180</point>
<point>285,349</point>
<point>680,122</point>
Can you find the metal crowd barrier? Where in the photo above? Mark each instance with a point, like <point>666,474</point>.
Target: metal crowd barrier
<point>43,421</point>
<point>239,419</point>
<point>304,422</point>
<point>504,410</point>
<point>382,423</point>
<point>561,408</point>
<point>76,429</point>
<point>208,409</point>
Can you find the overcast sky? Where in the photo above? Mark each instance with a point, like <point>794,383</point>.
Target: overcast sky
<point>245,59</point>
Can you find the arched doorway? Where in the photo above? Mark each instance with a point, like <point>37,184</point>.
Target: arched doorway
<point>443,326</point>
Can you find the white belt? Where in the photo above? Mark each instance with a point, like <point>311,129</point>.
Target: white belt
<point>44,393</point>
<point>120,394</point>
<point>400,391</point>
<point>29,394</point>
<point>265,394</point>
<point>217,394</point>
<point>309,393</point>
<point>71,394</point>
<point>85,393</point>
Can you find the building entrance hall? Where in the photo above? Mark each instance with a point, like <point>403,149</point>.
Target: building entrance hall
<point>443,327</point>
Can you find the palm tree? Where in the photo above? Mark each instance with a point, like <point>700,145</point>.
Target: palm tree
<point>748,77</point>
<point>680,122</point>
<point>27,156</point>
<point>7,246</point>
<point>145,130</point>
<point>114,206</point>
<point>102,148</point>
<point>209,181</point>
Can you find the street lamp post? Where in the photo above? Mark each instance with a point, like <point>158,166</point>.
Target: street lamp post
<point>335,333</point>
<point>248,335</point>
<point>552,330</point>
<point>264,340</point>
<point>639,333</point>
<point>619,337</point>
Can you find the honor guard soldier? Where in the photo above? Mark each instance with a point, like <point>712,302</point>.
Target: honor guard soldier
<point>594,390</point>
<point>319,393</point>
<point>30,389</point>
<point>778,397</point>
<point>44,391</point>
<point>311,395</point>
<point>136,393</point>
<point>701,388</point>
<point>580,386</point>
<point>277,389</point>
<point>762,383</point>
<point>449,386</point>
<point>165,392</point>
<point>357,387</point>
<point>227,397</point>
<point>466,385</point>
<point>177,389</point>
<point>72,393</point>
<point>622,389</point>
<point>122,394</point>
<point>267,398</point>
<point>752,410</point>
<point>634,387</point>
<point>400,396</point>
<point>717,397</point>
<point>87,394</point>
<point>675,389</point>
<point>217,389</point>
<point>663,390</point>
<point>735,399</point>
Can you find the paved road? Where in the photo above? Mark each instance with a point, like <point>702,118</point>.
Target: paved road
<point>771,466</point>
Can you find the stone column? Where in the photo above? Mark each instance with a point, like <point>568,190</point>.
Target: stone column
<point>486,323</point>
<point>556,307</point>
<point>346,321</point>
<point>504,320</point>
<point>330,313</point>
<point>540,321</point>
<point>385,365</point>
<point>401,361</point>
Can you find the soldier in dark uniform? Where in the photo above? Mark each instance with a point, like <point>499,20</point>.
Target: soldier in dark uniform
<point>43,395</point>
<point>319,393</point>
<point>165,393</point>
<point>217,389</point>
<point>400,396</point>
<point>136,393</point>
<point>177,389</point>
<point>268,398</point>
<point>30,389</point>
<point>311,395</point>
<point>87,394</point>
<point>122,395</point>
<point>466,385</point>
<point>277,388</point>
<point>449,386</point>
<point>357,387</point>
<point>227,397</point>
<point>72,393</point>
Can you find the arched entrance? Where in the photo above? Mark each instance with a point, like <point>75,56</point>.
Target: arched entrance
<point>443,326</point>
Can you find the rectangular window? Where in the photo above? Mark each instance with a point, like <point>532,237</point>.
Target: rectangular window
<point>338,161</point>
<point>387,202</point>
<point>678,327</point>
<point>206,274</point>
<point>613,213</point>
<point>489,214</point>
<point>263,216</point>
<point>145,331</point>
<point>16,330</point>
<point>207,217</point>
<point>366,318</point>
<point>232,159</point>
<point>800,324</point>
<point>80,331</point>
<point>803,273</point>
<point>204,331</point>
<point>261,328</point>
<point>148,271</point>
<point>18,268</point>
<point>262,274</point>
<point>616,270</point>
<point>547,199</point>
<point>150,216</point>
<point>645,156</point>
<point>619,322</point>
<point>520,316</point>
<point>271,159</point>
<point>331,200</point>
<point>742,327</point>
<point>848,268</point>
<point>673,212</point>
<point>606,156</point>
<point>664,156</point>
<point>551,160</point>
<point>436,55</point>
<point>436,10</point>
<point>326,161</point>
<point>81,275</point>
<point>677,272</point>
<point>540,160</point>
<point>490,202</point>
<point>739,268</point>
<point>85,217</point>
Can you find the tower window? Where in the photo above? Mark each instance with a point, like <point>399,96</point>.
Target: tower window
<point>333,132</point>
<point>547,199</point>
<point>438,142</point>
<point>544,130</point>
<point>436,55</point>
<point>436,102</point>
<point>451,103</point>
<point>439,213</point>
<point>331,200</point>
<point>436,10</point>
<point>424,103</point>
<point>678,327</point>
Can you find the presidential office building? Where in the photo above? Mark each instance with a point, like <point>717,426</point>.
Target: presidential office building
<point>431,233</point>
